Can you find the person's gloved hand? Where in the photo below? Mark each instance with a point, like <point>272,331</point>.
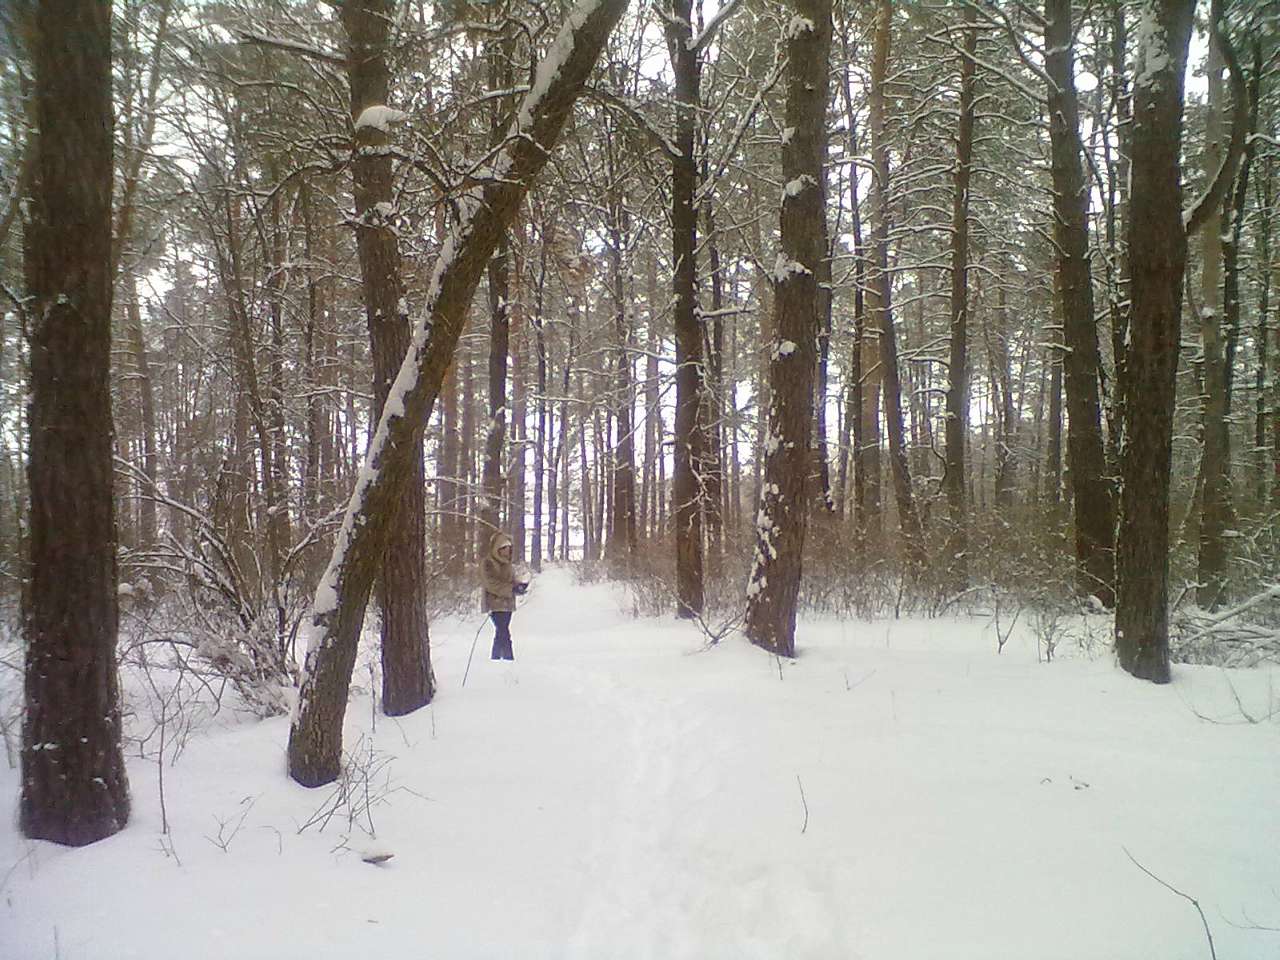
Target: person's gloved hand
<point>520,589</point>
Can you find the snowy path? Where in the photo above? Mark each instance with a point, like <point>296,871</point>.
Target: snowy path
<point>619,793</point>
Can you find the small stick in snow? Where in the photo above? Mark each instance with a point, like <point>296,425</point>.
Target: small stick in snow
<point>466,672</point>
<point>805,803</point>
<point>1172,889</point>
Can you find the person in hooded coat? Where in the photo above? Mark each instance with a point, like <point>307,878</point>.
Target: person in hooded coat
<point>500,586</point>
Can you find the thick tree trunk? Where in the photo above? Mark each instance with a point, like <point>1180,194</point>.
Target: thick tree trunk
<point>1157,257</point>
<point>686,492</point>
<point>315,740</point>
<point>74,787</point>
<point>1093,506</point>
<point>774,583</point>
<point>957,421</point>
<point>407,681</point>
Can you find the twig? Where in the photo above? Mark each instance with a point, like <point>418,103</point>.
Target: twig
<point>474,641</point>
<point>1172,889</point>
<point>805,803</point>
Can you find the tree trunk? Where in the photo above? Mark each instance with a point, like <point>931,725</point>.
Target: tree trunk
<point>1268,453</point>
<point>1215,495</point>
<point>74,787</point>
<point>1093,506</point>
<point>407,681</point>
<point>516,487</point>
<point>147,406</point>
<point>865,487</point>
<point>774,583</point>
<point>713,398</point>
<point>622,520</point>
<point>1053,357</point>
<point>315,739</point>
<point>957,420</point>
<point>652,410</point>
<point>492,484</point>
<point>881,312</point>
<point>1002,385</point>
<point>1157,258</point>
<point>540,479</point>
<point>686,492</point>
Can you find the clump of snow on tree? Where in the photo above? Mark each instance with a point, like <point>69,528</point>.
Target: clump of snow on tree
<point>1152,56</point>
<point>798,25</point>
<point>797,186</point>
<point>379,117</point>
<point>783,267</point>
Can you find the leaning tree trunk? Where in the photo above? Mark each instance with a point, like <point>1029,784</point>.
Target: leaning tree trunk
<point>1086,459</point>
<point>315,739</point>
<point>881,312</point>
<point>407,681</point>
<point>686,485</point>
<point>1157,258</point>
<point>957,422</point>
<point>774,584</point>
<point>74,787</point>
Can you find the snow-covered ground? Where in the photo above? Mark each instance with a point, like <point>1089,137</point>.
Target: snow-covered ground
<point>899,791</point>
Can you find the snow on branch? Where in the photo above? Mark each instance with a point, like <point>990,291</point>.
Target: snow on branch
<point>701,41</point>
<point>292,46</point>
<point>379,117</point>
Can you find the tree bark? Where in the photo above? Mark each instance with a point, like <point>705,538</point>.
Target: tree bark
<point>1157,257</point>
<point>686,489</point>
<point>881,310</point>
<point>315,740</point>
<point>492,484</point>
<point>1093,507</point>
<point>147,408</point>
<point>622,541</point>
<point>74,787</point>
<point>774,583</point>
<point>957,420</point>
<point>407,680</point>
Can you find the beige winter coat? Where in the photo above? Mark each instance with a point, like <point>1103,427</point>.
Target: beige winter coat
<point>497,578</point>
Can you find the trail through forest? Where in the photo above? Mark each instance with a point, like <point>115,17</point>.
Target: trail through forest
<point>621,791</point>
